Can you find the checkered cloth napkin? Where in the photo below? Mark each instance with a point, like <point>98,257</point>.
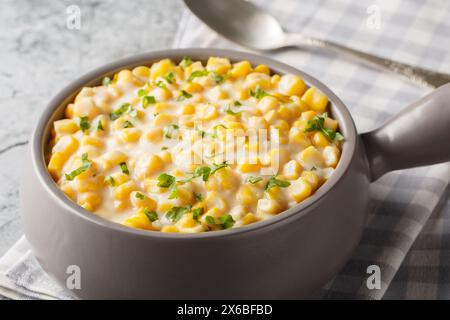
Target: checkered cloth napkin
<point>408,228</point>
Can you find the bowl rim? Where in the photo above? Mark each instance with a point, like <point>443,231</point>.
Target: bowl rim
<point>40,133</point>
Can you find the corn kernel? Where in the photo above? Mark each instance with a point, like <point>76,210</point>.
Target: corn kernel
<point>140,200</point>
<point>299,190</point>
<point>69,191</point>
<point>297,136</point>
<point>141,71</point>
<point>249,218</point>
<point>240,69</point>
<point>123,191</point>
<point>292,170</point>
<point>268,103</point>
<point>160,69</point>
<point>113,158</point>
<point>85,108</point>
<point>312,178</point>
<point>292,85</point>
<point>210,112</point>
<point>192,87</point>
<point>130,135</point>
<point>154,134</point>
<point>92,141</point>
<point>188,109</point>
<point>262,68</point>
<point>315,99</point>
<point>311,157</point>
<point>56,164</point>
<point>65,126</point>
<point>218,65</point>
<point>172,229</point>
<point>246,196</point>
<point>163,119</point>
<point>331,154</point>
<point>320,140</point>
<point>67,145</point>
<point>90,200</point>
<point>268,206</point>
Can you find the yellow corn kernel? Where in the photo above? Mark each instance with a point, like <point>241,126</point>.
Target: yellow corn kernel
<point>151,186</point>
<point>140,221</point>
<point>160,69</point>
<point>154,134</point>
<point>282,125</point>
<point>172,229</point>
<point>307,115</point>
<point>292,85</point>
<point>90,200</point>
<point>254,79</point>
<point>118,178</point>
<point>330,124</point>
<point>141,71</point>
<point>69,191</point>
<point>275,79</point>
<point>197,65</point>
<point>271,116</point>
<point>214,213</point>
<point>218,65</point>
<point>188,109</point>
<point>56,164</point>
<point>165,206</point>
<point>113,158</point>
<point>186,120</point>
<point>187,221</point>
<point>299,137</point>
<point>217,93</point>
<point>292,170</point>
<point>130,135</point>
<point>85,108</point>
<point>240,69</point>
<point>300,125</point>
<point>163,119</point>
<point>120,123</point>
<point>311,157</point>
<point>66,145</point>
<point>278,157</point>
<point>166,156</point>
<point>331,154</point>
<point>153,164</point>
<point>315,99</point>
<point>320,140</point>
<point>214,200</point>
<point>268,103</point>
<point>68,112</point>
<point>285,113</point>
<point>312,178</point>
<point>249,218</point>
<point>140,200</point>
<point>246,196</point>
<point>91,141</point>
<point>84,92</point>
<point>268,206</point>
<point>210,112</point>
<point>249,167</point>
<point>90,184</point>
<point>65,126</point>
<point>257,123</point>
<point>162,94</point>
<point>123,191</point>
<point>234,125</point>
<point>160,107</point>
<point>262,68</point>
<point>192,87</point>
<point>120,205</point>
<point>125,77</point>
<point>242,94</point>
<point>300,189</point>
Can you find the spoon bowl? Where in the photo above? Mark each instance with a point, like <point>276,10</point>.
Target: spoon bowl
<point>240,21</point>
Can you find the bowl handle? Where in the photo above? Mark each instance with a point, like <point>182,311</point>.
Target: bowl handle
<point>417,136</point>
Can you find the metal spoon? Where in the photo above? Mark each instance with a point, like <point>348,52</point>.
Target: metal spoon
<point>248,25</point>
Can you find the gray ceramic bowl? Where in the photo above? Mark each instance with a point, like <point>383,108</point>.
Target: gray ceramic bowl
<point>289,256</point>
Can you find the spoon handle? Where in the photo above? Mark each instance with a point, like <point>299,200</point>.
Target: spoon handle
<point>417,75</point>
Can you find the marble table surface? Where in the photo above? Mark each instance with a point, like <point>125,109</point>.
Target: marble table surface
<point>39,55</point>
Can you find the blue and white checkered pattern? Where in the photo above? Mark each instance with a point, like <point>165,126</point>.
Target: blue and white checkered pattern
<point>408,230</point>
